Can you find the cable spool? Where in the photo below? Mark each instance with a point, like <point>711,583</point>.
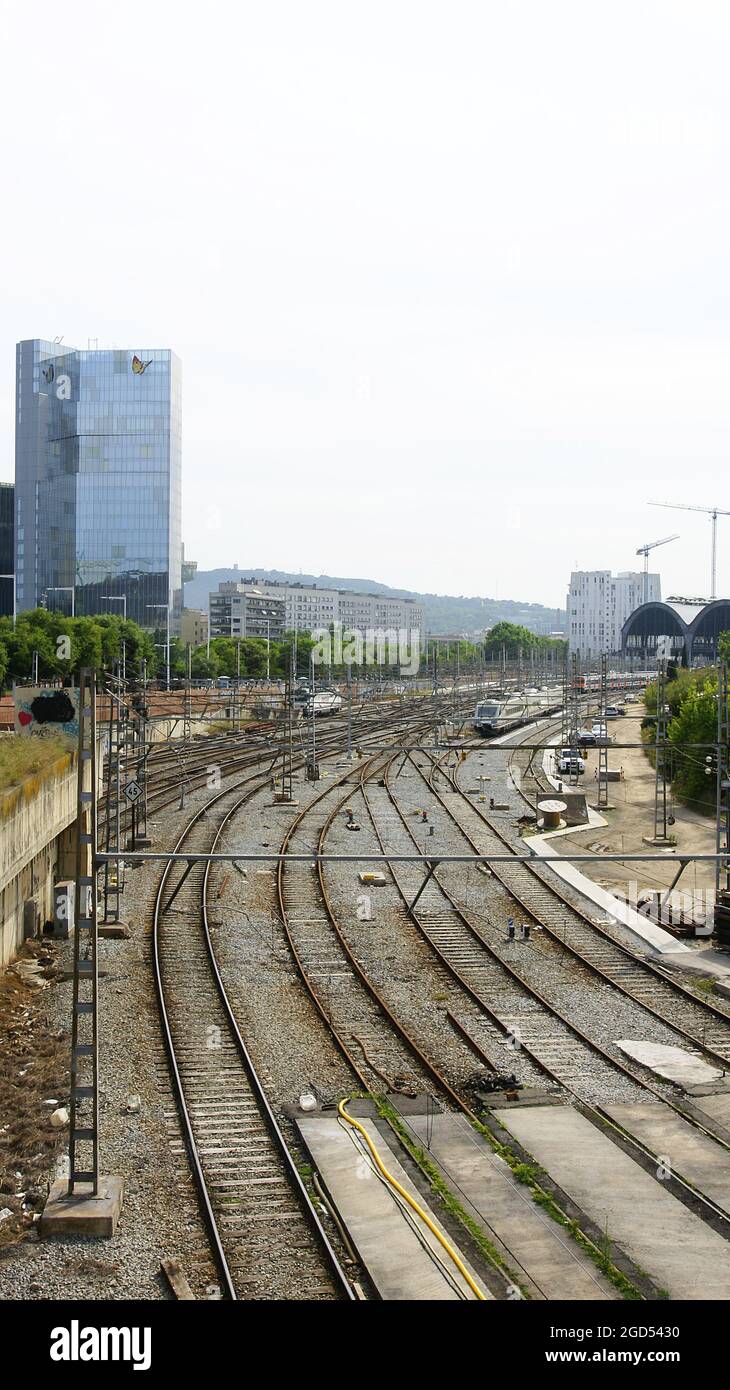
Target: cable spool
<point>549,814</point>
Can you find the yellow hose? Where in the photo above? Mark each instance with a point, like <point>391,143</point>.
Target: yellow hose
<point>412,1203</point>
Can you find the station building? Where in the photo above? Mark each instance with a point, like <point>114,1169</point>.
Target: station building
<point>686,629</point>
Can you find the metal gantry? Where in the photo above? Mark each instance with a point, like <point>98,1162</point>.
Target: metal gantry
<point>722,821</point>
<point>117,732</point>
<point>565,710</point>
<point>574,715</point>
<point>602,798</point>
<point>84,1107</point>
<point>287,748</point>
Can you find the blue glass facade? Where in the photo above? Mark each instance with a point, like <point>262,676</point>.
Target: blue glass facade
<point>7,549</point>
<point>98,458</point>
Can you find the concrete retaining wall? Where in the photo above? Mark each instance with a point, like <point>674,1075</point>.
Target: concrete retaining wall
<point>35,847</point>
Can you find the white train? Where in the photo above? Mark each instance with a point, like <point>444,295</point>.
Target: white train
<point>500,713</point>
<point>323,702</point>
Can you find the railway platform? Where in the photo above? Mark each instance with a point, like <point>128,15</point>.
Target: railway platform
<point>700,958</point>
<point>402,1257</point>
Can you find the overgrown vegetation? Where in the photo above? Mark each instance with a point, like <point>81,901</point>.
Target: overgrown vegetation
<point>525,1173</point>
<point>450,1201</point>
<point>23,757</point>
<point>691,699</point>
<point>529,1175</point>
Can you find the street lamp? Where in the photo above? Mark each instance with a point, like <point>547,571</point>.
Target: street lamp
<point>120,598</point>
<point>11,576</point>
<point>166,606</point>
<point>117,598</point>
<point>64,589</point>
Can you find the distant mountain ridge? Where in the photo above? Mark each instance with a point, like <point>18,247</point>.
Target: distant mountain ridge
<point>444,614</point>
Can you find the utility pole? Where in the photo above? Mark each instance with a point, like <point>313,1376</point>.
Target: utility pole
<point>349,710</point>
<point>574,711</point>
<point>287,755</point>
<point>661,756</point>
<point>187,709</point>
<point>565,713</point>
<point>313,770</point>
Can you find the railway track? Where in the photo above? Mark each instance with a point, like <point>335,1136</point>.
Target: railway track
<point>532,1024</point>
<point>262,1225</point>
<point>264,1230</point>
<point>379,1049</point>
<point>526,1020</point>
<point>180,766</point>
<point>702,1023</point>
<point>573,935</point>
<point>234,1149</point>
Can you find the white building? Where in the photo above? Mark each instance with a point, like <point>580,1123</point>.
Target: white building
<point>308,607</point>
<point>599,603</point>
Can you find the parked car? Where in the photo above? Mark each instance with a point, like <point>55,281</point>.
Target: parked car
<point>570,763</point>
<point>613,712</point>
<point>587,739</point>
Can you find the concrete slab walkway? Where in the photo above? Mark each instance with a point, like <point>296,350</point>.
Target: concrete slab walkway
<point>539,1253</point>
<point>690,1154</point>
<point>402,1257</point>
<point>680,1253</point>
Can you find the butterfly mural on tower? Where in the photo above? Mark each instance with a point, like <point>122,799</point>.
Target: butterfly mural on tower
<point>138,366</point>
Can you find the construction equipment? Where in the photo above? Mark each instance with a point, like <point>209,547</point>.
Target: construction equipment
<point>714,512</point>
<point>644,550</point>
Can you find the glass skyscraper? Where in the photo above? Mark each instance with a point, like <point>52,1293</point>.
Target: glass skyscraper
<point>98,458</point>
<point>7,550</point>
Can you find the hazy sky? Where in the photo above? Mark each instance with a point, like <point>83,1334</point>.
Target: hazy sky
<point>450,283</point>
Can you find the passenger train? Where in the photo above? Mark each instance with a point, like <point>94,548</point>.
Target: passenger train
<point>322,702</point>
<point>508,710</point>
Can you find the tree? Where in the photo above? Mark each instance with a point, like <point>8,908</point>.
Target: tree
<point>86,645</point>
<point>89,641</point>
<point>203,667</point>
<point>696,722</point>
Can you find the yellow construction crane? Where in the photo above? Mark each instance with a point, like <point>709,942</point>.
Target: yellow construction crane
<point>644,550</point>
<point>714,512</point>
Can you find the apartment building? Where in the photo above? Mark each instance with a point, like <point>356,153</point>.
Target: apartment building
<point>308,607</point>
<point>598,605</point>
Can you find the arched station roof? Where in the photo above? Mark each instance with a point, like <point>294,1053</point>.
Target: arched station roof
<point>699,623</point>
